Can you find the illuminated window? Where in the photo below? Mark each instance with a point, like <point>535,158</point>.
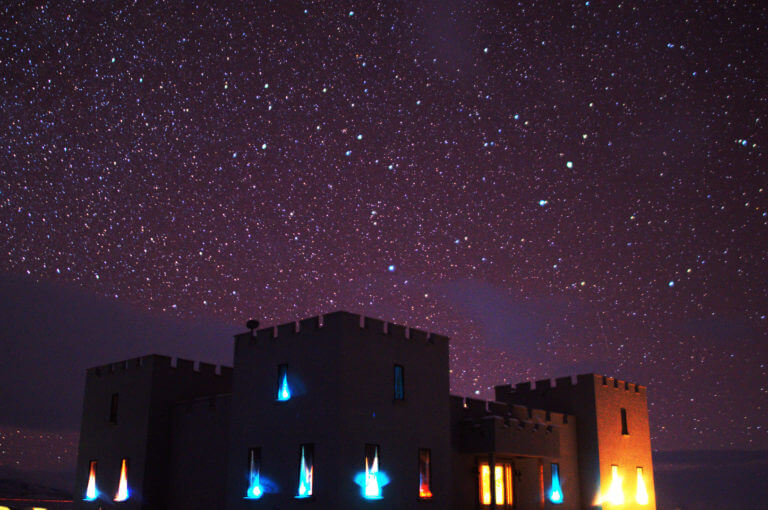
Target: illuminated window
<point>283,390</point>
<point>91,492</point>
<point>372,488</point>
<point>255,490</point>
<point>399,383</point>
<point>555,490</point>
<point>425,473</point>
<point>306,471</point>
<point>122,488</point>
<point>113,408</point>
<point>641,494</point>
<point>615,493</point>
<point>624,428</point>
<point>502,484</point>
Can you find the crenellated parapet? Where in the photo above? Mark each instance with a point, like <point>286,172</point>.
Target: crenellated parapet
<point>476,409</point>
<point>342,320</point>
<point>157,362</point>
<point>567,384</point>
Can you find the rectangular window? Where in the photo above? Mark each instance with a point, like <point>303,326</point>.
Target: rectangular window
<point>372,482</point>
<point>122,488</point>
<point>503,488</point>
<point>624,428</point>
<point>555,490</point>
<point>641,493</point>
<point>306,471</point>
<point>91,492</point>
<point>283,389</point>
<point>399,383</point>
<point>254,474</point>
<point>113,408</point>
<point>425,473</point>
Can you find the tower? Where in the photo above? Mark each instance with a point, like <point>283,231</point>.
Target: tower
<point>614,444</point>
<point>338,412</point>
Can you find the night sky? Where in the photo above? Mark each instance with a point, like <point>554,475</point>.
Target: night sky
<point>560,188</point>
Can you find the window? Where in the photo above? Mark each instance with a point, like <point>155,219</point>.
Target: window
<point>373,481</point>
<point>113,408</point>
<point>306,471</point>
<point>555,490</point>
<point>399,383</point>
<point>624,428</point>
<point>641,493</point>
<point>91,492</point>
<point>122,488</point>
<point>283,390</point>
<point>502,484</point>
<point>255,490</point>
<point>425,473</point>
<point>615,493</point>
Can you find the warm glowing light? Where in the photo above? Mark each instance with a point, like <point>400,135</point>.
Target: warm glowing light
<point>284,393</point>
<point>91,493</point>
<point>122,487</point>
<point>255,490</point>
<point>485,484</point>
<point>555,491</point>
<point>642,494</point>
<point>425,468</point>
<point>615,493</point>
<point>502,484</point>
<point>305,476</point>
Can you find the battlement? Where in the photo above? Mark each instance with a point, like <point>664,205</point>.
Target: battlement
<point>152,362</point>
<point>474,409</point>
<point>567,383</point>
<point>342,319</point>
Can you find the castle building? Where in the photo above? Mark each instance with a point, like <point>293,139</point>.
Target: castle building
<point>347,412</point>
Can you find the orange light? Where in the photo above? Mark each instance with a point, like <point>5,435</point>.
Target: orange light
<point>122,487</point>
<point>615,494</point>
<point>485,484</point>
<point>641,496</point>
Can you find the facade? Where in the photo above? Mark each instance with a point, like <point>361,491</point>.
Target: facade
<point>346,412</point>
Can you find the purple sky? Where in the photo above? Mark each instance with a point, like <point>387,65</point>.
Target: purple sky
<point>560,188</point>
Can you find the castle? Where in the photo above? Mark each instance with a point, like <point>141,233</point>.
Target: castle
<point>347,412</point>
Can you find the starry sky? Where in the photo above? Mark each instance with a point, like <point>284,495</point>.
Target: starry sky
<point>560,187</point>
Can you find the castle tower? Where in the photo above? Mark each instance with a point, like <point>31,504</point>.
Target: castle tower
<point>614,445</point>
<point>124,454</point>
<point>339,411</point>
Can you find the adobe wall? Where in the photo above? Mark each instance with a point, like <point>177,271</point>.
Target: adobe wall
<point>147,386</point>
<point>531,439</point>
<point>198,456</point>
<point>341,377</point>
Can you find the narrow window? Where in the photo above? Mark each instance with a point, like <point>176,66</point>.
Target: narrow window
<point>373,481</point>
<point>503,490</point>
<point>254,474</point>
<point>425,473</point>
<point>615,493</point>
<point>641,494</point>
<point>91,492</point>
<point>113,408</point>
<point>624,428</point>
<point>555,490</point>
<point>283,390</point>
<point>122,488</point>
<point>306,471</point>
<point>399,383</point>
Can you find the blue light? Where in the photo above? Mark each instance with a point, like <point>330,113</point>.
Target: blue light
<point>371,484</point>
<point>556,492</point>
<point>542,203</point>
<point>671,283</point>
<point>284,393</point>
<point>391,268</point>
<point>255,491</point>
<point>305,477</point>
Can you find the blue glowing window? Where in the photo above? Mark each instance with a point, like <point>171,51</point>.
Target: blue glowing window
<point>399,382</point>
<point>306,471</point>
<point>91,492</point>
<point>255,490</point>
<point>555,490</point>
<point>283,389</point>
